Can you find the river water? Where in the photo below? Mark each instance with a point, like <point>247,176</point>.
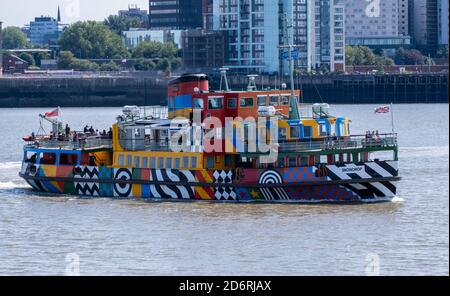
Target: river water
<point>42,234</point>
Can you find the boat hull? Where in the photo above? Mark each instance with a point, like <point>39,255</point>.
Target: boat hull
<point>369,182</point>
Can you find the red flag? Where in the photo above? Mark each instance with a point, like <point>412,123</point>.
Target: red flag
<point>54,113</point>
<point>383,110</point>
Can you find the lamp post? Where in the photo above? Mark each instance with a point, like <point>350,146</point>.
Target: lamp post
<point>1,49</point>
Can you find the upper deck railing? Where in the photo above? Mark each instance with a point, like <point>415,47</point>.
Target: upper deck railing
<point>79,144</point>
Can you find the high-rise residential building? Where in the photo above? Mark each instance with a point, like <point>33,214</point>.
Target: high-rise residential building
<point>443,22</point>
<point>376,23</point>
<point>403,17</point>
<point>208,14</point>
<point>136,12</point>
<point>255,30</point>
<point>203,49</point>
<point>175,14</point>
<point>45,30</point>
<point>430,19</point>
<point>330,34</point>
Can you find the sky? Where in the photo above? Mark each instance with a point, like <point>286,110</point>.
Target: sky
<point>21,12</point>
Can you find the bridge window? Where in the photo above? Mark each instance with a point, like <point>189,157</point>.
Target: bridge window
<point>308,132</point>
<point>283,133</point>
<point>281,162</point>
<point>274,101</point>
<point>232,103</point>
<point>262,101</point>
<point>247,102</point>
<point>199,104</point>
<point>285,100</point>
<point>294,132</point>
<point>129,160</point>
<point>322,130</point>
<point>215,103</point>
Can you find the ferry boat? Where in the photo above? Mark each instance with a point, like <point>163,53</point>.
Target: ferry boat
<point>217,146</point>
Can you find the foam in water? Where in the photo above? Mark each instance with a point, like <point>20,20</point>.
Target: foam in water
<point>10,165</point>
<point>398,200</point>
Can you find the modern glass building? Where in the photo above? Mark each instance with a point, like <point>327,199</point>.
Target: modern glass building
<point>44,30</point>
<point>255,30</point>
<point>175,14</point>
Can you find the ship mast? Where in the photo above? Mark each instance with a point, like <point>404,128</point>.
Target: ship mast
<point>295,111</point>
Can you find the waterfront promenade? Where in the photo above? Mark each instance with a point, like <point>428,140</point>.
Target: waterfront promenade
<point>149,89</point>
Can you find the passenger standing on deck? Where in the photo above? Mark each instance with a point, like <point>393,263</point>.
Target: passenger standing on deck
<point>67,132</point>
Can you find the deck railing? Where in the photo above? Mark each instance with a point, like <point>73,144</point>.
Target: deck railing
<point>89,143</point>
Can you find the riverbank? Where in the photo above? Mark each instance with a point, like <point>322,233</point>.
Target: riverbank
<point>100,91</point>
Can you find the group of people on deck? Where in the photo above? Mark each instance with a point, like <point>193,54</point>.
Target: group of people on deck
<point>373,136</point>
<point>74,136</point>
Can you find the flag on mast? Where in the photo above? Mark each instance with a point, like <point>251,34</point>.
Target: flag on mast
<point>383,110</point>
<point>54,113</point>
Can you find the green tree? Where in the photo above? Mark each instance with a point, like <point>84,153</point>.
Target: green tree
<point>92,40</point>
<point>39,56</point>
<point>155,49</point>
<point>65,59</point>
<point>14,38</point>
<point>409,57</point>
<point>28,58</point>
<point>443,52</point>
<point>144,65</point>
<point>118,24</point>
<point>109,67</point>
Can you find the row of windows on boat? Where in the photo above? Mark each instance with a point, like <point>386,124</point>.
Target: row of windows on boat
<point>194,162</point>
<point>218,103</point>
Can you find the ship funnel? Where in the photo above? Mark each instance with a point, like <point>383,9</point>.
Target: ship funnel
<point>252,83</point>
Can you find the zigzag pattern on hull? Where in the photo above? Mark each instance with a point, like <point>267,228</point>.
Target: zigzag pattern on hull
<point>87,188</point>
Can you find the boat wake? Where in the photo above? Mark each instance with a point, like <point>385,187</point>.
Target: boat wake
<point>10,165</point>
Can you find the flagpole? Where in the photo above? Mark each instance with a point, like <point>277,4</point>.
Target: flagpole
<point>392,118</point>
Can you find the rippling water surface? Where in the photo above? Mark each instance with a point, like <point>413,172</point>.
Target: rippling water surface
<point>410,236</point>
